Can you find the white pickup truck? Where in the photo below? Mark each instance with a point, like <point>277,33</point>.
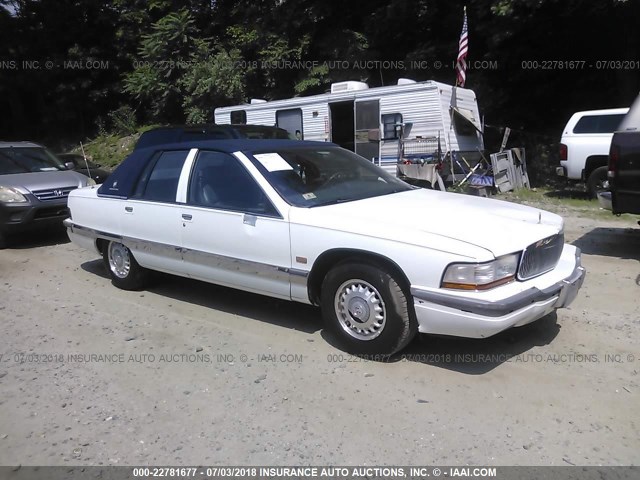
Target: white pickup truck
<point>584,147</point>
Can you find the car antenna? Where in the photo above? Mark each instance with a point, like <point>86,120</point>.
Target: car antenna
<point>86,163</point>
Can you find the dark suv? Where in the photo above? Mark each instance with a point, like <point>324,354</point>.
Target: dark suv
<point>184,133</point>
<point>624,166</point>
<point>34,186</point>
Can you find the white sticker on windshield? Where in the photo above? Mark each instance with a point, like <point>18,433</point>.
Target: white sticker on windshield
<point>273,162</point>
<point>308,196</point>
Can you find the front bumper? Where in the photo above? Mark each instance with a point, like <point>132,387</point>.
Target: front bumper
<point>477,315</point>
<point>23,217</point>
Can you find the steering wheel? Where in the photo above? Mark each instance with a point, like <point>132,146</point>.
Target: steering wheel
<point>335,177</point>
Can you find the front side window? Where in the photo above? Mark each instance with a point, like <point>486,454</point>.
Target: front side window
<point>311,177</point>
<point>159,181</point>
<point>219,181</point>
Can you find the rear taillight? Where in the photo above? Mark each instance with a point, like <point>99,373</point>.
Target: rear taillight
<point>614,157</point>
<point>563,151</point>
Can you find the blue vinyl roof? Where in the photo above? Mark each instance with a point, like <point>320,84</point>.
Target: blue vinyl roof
<point>122,181</point>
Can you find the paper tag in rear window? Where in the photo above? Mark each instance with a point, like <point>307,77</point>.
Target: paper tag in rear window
<point>273,162</point>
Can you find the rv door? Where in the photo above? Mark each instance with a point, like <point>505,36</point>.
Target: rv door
<point>367,135</point>
<point>291,121</point>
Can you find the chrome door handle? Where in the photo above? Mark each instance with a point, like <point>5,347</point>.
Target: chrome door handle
<point>249,219</point>
<point>186,216</point>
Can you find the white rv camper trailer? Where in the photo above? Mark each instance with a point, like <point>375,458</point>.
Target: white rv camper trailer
<point>372,121</point>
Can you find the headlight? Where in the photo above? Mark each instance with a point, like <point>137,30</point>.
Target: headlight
<point>481,276</point>
<point>11,195</point>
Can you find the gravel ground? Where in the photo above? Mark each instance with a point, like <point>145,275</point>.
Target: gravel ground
<point>189,373</point>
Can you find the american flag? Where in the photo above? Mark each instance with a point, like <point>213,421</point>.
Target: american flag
<point>463,49</point>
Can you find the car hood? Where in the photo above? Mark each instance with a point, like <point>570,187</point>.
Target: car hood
<point>29,182</point>
<point>497,226</point>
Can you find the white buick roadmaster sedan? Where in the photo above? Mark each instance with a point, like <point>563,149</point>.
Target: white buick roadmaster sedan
<point>317,224</point>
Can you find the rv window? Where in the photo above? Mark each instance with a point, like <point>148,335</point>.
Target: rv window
<point>239,117</point>
<point>390,122</point>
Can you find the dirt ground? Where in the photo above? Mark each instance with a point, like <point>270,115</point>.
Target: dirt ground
<point>189,373</point>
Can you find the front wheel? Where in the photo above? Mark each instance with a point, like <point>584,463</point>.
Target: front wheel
<point>598,181</point>
<point>367,309</point>
<point>122,266</point>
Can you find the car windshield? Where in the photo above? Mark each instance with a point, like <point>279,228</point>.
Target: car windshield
<point>312,177</point>
<point>27,160</point>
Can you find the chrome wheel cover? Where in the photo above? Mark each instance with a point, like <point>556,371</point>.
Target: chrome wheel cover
<point>360,309</point>
<point>119,260</point>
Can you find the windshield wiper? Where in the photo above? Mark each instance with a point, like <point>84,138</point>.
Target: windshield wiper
<point>335,201</point>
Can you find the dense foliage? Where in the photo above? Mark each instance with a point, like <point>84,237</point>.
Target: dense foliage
<point>70,67</point>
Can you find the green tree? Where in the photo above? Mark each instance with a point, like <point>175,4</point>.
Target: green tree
<point>182,76</point>
<point>163,53</point>
<point>214,77</point>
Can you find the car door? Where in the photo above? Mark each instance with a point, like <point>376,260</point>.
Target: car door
<point>151,217</point>
<point>231,233</point>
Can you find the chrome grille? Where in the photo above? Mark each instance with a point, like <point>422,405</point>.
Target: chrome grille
<point>52,193</point>
<point>540,257</point>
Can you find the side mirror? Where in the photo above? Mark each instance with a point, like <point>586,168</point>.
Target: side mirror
<point>70,165</point>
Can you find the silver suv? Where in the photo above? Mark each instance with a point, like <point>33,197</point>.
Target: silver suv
<point>34,186</point>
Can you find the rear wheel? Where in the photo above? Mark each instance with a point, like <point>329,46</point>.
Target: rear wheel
<point>122,266</point>
<point>598,181</point>
<point>3,241</point>
<point>367,309</point>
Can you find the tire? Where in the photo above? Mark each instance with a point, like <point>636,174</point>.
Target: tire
<point>598,181</point>
<point>366,308</point>
<point>3,241</point>
<point>123,269</point>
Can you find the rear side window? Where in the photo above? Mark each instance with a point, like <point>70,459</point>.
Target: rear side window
<point>598,123</point>
<point>159,181</point>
